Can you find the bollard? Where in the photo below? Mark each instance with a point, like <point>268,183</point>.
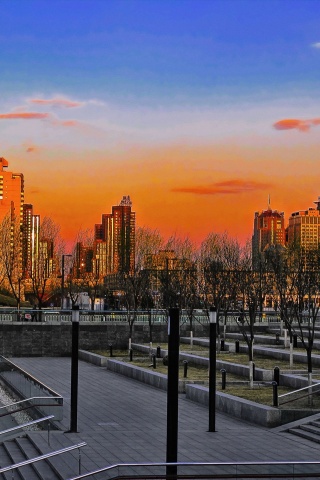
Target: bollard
<point>130,354</point>
<point>185,368</point>
<point>295,340</point>
<point>222,345</point>
<point>154,361</point>
<point>275,394</point>
<point>158,351</point>
<point>253,371</point>
<point>277,338</point>
<point>110,347</point>
<point>276,375</point>
<point>223,378</point>
<point>237,345</point>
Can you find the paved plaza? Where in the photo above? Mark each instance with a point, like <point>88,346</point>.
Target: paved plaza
<point>124,421</point>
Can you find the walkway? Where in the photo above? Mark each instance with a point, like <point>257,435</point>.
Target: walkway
<point>124,421</point>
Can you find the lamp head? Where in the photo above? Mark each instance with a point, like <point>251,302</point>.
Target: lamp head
<point>75,313</point>
<point>213,315</point>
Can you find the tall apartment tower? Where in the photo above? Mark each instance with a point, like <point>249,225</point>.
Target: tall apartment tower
<point>115,240</point>
<point>30,239</point>
<point>304,227</point>
<point>11,193</point>
<point>268,229</point>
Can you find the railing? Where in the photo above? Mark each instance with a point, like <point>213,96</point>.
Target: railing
<point>42,403</point>
<point>158,316</point>
<point>10,433</point>
<point>184,470</point>
<point>44,457</point>
<point>28,387</point>
<point>305,397</point>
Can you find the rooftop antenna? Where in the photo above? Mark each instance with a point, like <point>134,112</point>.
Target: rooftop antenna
<point>269,207</point>
<point>318,203</point>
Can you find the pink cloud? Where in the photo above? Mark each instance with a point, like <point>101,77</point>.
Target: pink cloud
<point>295,123</point>
<point>59,102</point>
<point>228,187</point>
<point>32,149</point>
<point>23,116</point>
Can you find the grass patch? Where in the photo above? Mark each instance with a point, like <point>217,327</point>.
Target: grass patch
<point>236,385</point>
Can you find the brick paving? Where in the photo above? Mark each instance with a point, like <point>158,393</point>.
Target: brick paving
<point>124,421</point>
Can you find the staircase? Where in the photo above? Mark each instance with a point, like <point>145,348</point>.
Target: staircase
<point>309,431</point>
<point>32,445</point>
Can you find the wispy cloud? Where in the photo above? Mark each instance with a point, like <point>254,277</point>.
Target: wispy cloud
<point>24,116</point>
<point>56,102</point>
<point>315,45</point>
<point>297,124</point>
<point>229,187</point>
<point>40,116</point>
<point>32,149</point>
<point>66,123</point>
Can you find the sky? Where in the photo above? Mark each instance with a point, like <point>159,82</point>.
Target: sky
<point>197,109</point>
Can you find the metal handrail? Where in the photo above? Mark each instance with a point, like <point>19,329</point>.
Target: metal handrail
<point>210,464</point>
<point>29,377</point>
<point>309,387</point>
<point>18,427</point>
<point>30,406</point>
<point>41,457</point>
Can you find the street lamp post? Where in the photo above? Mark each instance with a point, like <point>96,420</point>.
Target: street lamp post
<point>172,390</point>
<point>74,370</point>
<point>212,369</point>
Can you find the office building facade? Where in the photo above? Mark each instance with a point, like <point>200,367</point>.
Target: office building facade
<point>11,193</point>
<point>268,230</point>
<point>304,227</point>
<point>114,243</point>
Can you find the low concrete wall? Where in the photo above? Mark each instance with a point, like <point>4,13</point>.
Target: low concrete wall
<point>245,409</point>
<point>155,379</point>
<point>235,368</point>
<point>94,358</point>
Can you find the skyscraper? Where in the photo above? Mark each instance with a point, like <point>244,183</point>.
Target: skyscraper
<point>11,193</point>
<point>304,227</point>
<point>115,240</point>
<point>268,229</point>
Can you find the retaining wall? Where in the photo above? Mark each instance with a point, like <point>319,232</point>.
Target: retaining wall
<point>19,339</point>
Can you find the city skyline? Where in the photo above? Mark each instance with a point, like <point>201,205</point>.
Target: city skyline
<point>197,110</point>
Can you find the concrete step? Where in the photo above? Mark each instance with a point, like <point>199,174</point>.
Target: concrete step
<point>65,465</point>
<point>304,434</point>
<point>5,461</point>
<point>16,455</point>
<point>311,428</point>
<point>315,423</point>
<point>33,445</point>
<point>43,468</point>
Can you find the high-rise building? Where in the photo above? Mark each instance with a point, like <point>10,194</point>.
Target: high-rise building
<point>304,227</point>
<point>268,230</point>
<point>30,240</point>
<point>11,193</point>
<point>83,260</point>
<point>114,250</point>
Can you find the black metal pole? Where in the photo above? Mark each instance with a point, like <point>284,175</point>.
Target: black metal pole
<point>62,282</point>
<point>74,370</point>
<point>172,391</point>
<point>212,369</point>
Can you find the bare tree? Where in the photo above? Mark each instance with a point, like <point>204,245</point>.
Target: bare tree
<point>44,268</point>
<point>220,260</point>
<point>137,285</point>
<point>297,279</point>
<point>11,257</point>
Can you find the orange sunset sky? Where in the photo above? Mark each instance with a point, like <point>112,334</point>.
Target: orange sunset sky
<point>198,110</point>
